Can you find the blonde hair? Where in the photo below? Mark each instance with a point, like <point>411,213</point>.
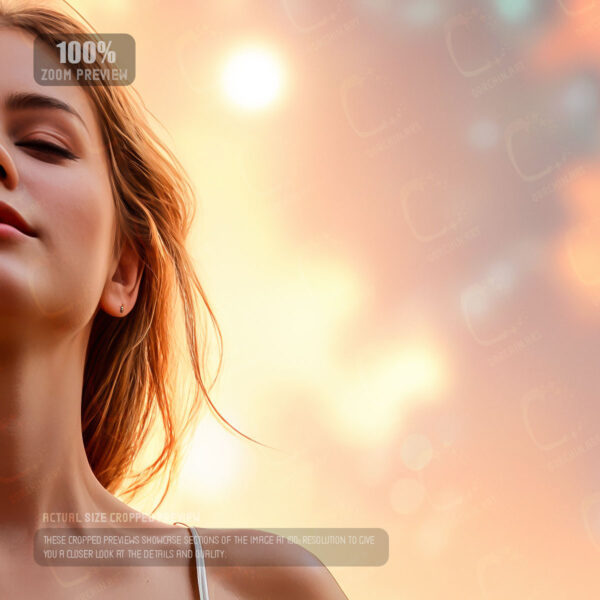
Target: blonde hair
<point>129,365</point>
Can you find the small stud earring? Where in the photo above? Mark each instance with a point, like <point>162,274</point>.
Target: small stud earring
<point>122,308</point>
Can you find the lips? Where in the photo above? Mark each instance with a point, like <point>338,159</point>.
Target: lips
<point>9,216</point>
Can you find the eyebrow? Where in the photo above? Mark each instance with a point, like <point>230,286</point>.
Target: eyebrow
<point>29,100</point>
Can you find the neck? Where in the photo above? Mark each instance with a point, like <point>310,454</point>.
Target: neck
<point>43,466</point>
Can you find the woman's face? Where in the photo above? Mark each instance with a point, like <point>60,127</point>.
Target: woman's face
<point>57,279</point>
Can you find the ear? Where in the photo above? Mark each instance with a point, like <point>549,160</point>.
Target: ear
<point>123,283</point>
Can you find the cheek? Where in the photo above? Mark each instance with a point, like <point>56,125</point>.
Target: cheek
<point>76,211</point>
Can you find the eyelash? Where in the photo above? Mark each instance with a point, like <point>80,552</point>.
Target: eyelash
<point>51,148</point>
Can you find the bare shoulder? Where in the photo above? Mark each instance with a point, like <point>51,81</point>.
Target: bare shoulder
<point>267,571</point>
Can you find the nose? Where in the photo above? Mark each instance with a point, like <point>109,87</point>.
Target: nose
<point>9,177</point>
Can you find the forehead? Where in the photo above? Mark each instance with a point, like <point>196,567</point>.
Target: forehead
<point>16,75</point>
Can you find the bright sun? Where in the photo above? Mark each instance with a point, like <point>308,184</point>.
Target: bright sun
<point>252,78</point>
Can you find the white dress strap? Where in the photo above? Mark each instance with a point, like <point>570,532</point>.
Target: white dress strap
<point>200,566</point>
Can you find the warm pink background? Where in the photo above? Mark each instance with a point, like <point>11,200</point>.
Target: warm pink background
<point>403,254</point>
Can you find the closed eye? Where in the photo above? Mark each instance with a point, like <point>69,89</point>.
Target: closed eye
<point>49,148</point>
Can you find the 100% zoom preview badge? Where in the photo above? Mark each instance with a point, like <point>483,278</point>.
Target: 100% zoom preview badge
<point>79,59</point>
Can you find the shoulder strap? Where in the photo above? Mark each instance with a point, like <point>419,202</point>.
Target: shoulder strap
<point>200,566</point>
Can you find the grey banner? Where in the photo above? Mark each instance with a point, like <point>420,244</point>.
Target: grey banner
<point>130,546</point>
